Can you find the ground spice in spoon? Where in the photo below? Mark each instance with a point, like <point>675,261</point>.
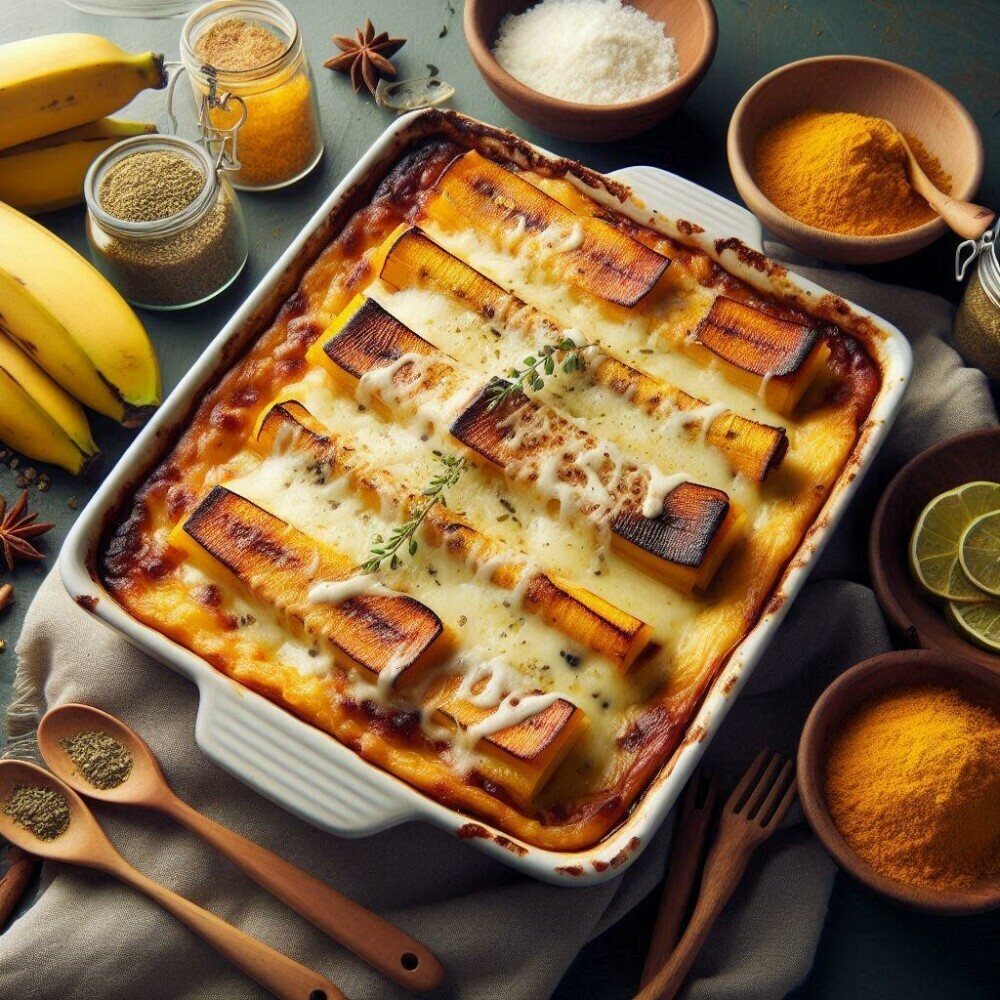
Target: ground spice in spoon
<point>101,759</point>
<point>42,811</point>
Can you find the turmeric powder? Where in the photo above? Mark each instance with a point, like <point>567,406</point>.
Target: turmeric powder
<point>844,173</point>
<point>913,785</point>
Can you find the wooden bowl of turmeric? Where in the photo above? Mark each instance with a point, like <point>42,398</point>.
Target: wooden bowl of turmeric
<point>812,160</point>
<point>899,777</point>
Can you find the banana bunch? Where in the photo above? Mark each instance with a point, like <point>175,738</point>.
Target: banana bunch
<point>68,336</point>
<point>54,92</point>
<point>48,173</point>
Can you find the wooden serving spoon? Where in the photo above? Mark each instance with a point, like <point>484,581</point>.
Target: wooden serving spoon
<point>382,945</point>
<point>84,843</point>
<point>968,220</point>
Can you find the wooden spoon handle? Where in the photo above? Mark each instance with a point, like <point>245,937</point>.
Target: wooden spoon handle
<point>682,871</point>
<point>963,217</point>
<point>724,868</point>
<point>381,944</point>
<point>283,976</point>
<point>20,866</point>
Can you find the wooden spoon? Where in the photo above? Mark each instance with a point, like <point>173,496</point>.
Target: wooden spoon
<point>697,808</point>
<point>381,944</point>
<point>968,220</point>
<point>84,843</point>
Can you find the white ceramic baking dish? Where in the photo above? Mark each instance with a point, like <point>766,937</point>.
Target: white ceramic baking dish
<point>308,772</point>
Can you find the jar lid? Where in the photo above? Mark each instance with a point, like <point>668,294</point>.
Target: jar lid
<point>154,228</point>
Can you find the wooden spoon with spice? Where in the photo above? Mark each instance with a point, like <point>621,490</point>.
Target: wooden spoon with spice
<point>79,744</point>
<point>963,217</point>
<point>44,816</point>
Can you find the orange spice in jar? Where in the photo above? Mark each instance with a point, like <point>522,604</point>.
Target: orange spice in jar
<point>253,50</point>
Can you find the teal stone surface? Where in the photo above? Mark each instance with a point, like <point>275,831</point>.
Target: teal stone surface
<point>870,949</point>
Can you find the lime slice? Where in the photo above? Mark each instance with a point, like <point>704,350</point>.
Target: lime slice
<point>978,622</point>
<point>979,552</point>
<point>934,546</point>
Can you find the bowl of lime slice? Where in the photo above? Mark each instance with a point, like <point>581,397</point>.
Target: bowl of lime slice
<point>934,548</point>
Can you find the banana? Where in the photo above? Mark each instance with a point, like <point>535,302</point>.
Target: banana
<point>73,323</point>
<point>48,173</point>
<point>56,82</point>
<point>38,417</point>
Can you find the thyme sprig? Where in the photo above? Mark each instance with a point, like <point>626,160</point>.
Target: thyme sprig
<point>403,534</point>
<point>536,369</point>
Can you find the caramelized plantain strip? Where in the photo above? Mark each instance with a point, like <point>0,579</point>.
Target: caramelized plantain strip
<point>409,256</point>
<point>751,448</point>
<point>587,252</point>
<point>391,638</point>
<point>521,757</point>
<point>576,612</point>
<point>490,432</point>
<point>683,544</point>
<point>776,357</point>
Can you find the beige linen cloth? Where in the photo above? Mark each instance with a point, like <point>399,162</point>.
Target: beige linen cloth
<point>500,935</point>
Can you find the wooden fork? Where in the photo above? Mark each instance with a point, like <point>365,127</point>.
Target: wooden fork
<point>754,810</point>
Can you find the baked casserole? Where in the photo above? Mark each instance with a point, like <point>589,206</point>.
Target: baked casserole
<point>499,489</point>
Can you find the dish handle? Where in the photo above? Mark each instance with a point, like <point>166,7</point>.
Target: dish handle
<point>296,767</point>
<point>678,198</point>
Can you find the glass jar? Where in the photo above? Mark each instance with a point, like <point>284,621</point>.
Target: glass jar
<point>279,142</point>
<point>134,8</point>
<point>977,325</point>
<point>178,261</point>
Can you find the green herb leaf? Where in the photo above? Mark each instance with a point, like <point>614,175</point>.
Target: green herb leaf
<point>531,377</point>
<point>405,533</point>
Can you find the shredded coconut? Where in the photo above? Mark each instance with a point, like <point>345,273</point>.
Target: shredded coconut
<point>587,51</point>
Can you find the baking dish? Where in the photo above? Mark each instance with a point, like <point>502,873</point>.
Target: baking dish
<point>307,771</point>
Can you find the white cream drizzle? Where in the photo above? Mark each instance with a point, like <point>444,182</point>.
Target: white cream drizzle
<point>339,591</point>
<point>573,240</point>
<point>658,487</point>
<point>381,381</point>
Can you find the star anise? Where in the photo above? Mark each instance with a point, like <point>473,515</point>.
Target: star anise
<point>17,529</point>
<point>365,56</point>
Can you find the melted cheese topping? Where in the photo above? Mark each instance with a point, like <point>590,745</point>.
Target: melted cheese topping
<point>507,658</point>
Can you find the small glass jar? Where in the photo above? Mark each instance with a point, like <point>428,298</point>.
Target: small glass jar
<point>977,325</point>
<point>279,142</point>
<point>134,8</point>
<point>178,261</point>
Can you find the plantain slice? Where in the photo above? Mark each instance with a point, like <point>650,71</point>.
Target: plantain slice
<point>523,756</point>
<point>776,357</point>
<point>588,252</point>
<point>410,258</point>
<point>683,543</point>
<point>390,638</point>
<point>576,612</point>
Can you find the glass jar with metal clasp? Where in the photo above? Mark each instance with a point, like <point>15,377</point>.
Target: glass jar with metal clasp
<point>174,261</point>
<point>977,325</point>
<point>270,110</point>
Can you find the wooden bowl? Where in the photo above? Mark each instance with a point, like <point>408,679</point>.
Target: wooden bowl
<point>911,101</point>
<point>846,693</point>
<point>918,620</point>
<point>691,23</point>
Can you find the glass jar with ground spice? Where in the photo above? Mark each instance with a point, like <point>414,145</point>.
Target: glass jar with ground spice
<point>977,325</point>
<point>252,50</point>
<point>163,222</point>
